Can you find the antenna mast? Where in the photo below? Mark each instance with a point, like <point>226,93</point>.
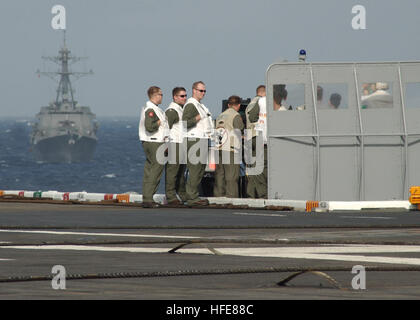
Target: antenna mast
<point>64,85</point>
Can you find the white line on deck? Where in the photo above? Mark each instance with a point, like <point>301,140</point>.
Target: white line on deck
<point>99,234</point>
<point>259,214</point>
<point>312,253</point>
<point>356,217</point>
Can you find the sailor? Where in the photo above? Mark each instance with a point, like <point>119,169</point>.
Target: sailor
<point>279,97</point>
<point>199,129</point>
<point>319,98</point>
<point>153,132</point>
<point>256,124</point>
<point>175,167</point>
<point>335,100</point>
<point>381,98</point>
<point>229,127</point>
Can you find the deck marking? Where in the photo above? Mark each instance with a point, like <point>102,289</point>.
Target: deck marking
<point>356,217</point>
<point>312,253</point>
<point>99,234</point>
<point>259,214</point>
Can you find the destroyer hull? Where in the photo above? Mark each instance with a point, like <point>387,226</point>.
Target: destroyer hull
<point>64,148</point>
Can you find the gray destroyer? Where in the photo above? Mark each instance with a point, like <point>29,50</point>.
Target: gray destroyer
<point>64,130</point>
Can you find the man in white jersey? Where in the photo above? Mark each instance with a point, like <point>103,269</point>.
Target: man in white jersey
<point>199,129</point>
<point>256,118</point>
<point>175,168</point>
<point>153,132</point>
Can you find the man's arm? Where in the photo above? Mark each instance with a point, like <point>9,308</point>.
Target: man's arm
<point>152,121</point>
<point>190,115</point>
<point>172,117</point>
<point>238,123</point>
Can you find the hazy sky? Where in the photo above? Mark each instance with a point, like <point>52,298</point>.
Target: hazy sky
<point>228,44</point>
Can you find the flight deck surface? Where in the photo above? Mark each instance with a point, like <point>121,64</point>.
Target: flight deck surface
<point>111,252</point>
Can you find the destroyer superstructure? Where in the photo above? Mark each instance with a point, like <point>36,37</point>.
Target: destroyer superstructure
<point>64,130</point>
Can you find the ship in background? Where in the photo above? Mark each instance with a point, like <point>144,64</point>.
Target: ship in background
<point>64,130</point>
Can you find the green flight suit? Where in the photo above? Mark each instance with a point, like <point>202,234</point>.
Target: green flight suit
<point>226,176</point>
<point>195,171</point>
<point>257,184</point>
<point>152,168</point>
<point>175,173</point>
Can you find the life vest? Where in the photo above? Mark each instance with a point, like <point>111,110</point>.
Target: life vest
<point>205,127</point>
<point>262,119</point>
<point>160,135</point>
<point>227,137</point>
<point>176,132</point>
<point>261,125</point>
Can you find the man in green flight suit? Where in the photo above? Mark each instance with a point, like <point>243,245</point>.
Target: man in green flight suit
<point>176,166</point>
<point>256,126</point>
<point>198,132</point>
<point>229,127</point>
<point>153,132</point>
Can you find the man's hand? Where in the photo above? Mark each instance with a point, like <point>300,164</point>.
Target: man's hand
<point>197,117</point>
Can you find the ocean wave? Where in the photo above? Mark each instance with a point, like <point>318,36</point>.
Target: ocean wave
<point>109,175</point>
<point>116,167</point>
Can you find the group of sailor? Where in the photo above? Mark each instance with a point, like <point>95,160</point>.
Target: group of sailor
<point>186,127</point>
<point>376,95</point>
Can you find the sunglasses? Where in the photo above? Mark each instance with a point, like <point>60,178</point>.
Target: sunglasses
<point>200,90</point>
<point>182,96</point>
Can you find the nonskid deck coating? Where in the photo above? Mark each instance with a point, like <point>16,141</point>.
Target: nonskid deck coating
<point>57,222</point>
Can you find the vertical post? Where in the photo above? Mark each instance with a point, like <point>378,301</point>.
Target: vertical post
<point>405,182</point>
<point>362,139</point>
<point>267,88</point>
<point>318,151</point>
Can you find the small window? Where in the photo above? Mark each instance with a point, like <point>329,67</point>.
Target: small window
<point>288,97</point>
<point>332,96</point>
<point>376,95</point>
<point>412,95</point>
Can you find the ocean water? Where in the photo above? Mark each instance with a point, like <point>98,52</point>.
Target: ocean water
<point>117,166</point>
